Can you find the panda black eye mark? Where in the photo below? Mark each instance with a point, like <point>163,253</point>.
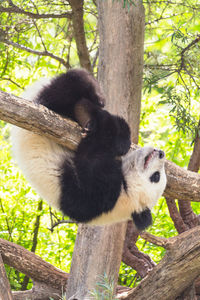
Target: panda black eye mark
<point>155,177</point>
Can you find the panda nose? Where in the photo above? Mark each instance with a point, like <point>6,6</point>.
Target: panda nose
<point>161,154</point>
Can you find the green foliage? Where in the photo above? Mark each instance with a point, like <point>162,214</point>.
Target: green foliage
<point>104,289</point>
<point>180,110</point>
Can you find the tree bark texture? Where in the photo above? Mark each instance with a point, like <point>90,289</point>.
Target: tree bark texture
<point>177,270</point>
<point>121,59</point>
<point>181,184</point>
<point>98,250</point>
<point>39,119</point>
<point>32,265</point>
<point>5,291</point>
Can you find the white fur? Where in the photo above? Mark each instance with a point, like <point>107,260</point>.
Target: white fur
<point>32,91</point>
<point>39,158</point>
<point>141,193</point>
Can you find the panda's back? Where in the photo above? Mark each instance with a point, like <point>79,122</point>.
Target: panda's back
<point>41,161</point>
<point>40,158</point>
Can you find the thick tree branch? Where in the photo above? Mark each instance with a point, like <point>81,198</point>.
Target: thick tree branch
<point>32,265</point>
<point>38,119</point>
<point>182,184</point>
<point>180,266</point>
<point>38,292</point>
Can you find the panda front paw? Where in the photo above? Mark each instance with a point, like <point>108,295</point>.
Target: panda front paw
<point>142,220</point>
<point>89,129</point>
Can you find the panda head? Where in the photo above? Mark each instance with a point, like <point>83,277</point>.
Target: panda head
<point>144,183</point>
<point>146,180</point>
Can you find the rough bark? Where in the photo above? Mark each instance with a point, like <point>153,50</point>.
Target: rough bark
<point>181,184</point>
<point>122,42</point>
<point>120,69</point>
<point>5,291</point>
<point>38,119</point>
<point>32,265</point>
<point>177,270</point>
<point>188,294</point>
<point>38,292</point>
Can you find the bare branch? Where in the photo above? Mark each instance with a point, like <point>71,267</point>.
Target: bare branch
<point>175,215</point>
<point>61,222</point>
<point>131,256</point>
<point>15,9</point>
<point>156,240</point>
<point>79,34</point>
<point>195,41</point>
<point>39,53</point>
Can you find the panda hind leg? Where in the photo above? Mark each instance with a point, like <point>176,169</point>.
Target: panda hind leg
<point>85,112</point>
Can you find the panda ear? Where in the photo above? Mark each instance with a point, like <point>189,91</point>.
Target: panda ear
<point>84,111</point>
<point>128,162</point>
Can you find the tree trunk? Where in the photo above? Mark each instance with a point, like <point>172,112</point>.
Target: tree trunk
<point>176,271</point>
<point>5,291</point>
<point>98,250</point>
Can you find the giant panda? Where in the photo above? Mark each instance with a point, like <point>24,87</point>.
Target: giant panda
<point>103,181</point>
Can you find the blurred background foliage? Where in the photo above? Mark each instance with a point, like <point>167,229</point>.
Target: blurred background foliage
<point>32,46</point>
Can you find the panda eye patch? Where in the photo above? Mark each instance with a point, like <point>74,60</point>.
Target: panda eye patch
<point>155,177</point>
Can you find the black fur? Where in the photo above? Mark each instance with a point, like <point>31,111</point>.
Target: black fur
<point>67,89</point>
<point>155,177</point>
<point>91,184</point>
<point>142,220</point>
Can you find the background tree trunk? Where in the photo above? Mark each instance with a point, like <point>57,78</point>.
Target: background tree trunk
<point>98,250</point>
